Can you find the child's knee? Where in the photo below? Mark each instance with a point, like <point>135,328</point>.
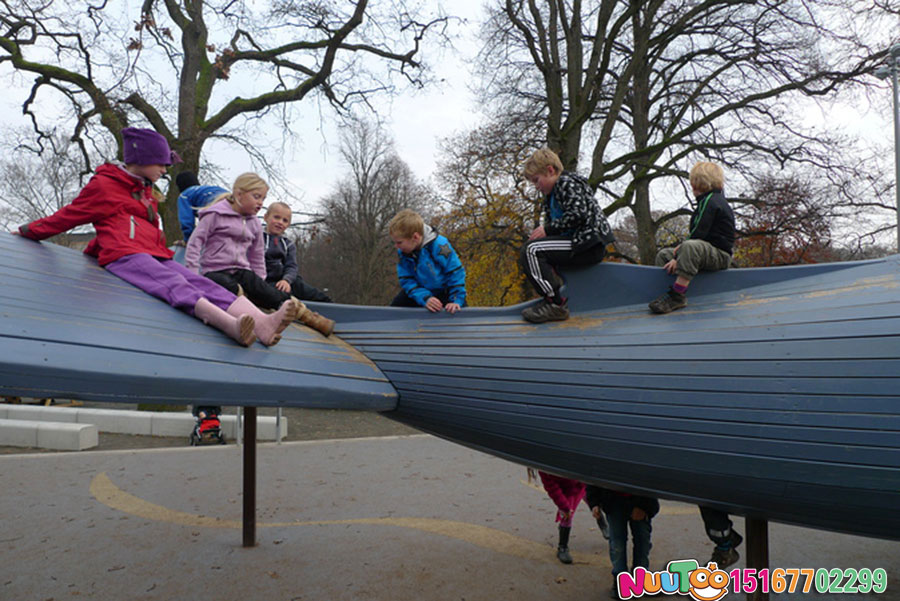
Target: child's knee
<point>664,256</point>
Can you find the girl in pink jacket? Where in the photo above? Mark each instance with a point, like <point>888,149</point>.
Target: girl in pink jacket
<point>566,495</point>
<point>227,245</point>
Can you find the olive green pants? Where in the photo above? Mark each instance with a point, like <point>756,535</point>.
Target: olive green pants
<point>694,256</point>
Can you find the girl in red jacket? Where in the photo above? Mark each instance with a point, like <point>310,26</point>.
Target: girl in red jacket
<point>120,202</point>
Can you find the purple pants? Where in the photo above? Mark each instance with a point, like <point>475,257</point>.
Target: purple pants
<point>169,280</point>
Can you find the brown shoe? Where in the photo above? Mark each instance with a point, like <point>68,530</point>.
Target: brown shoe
<point>668,301</point>
<point>545,311</point>
<point>316,321</point>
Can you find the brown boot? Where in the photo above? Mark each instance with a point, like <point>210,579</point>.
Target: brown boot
<point>316,321</point>
<point>240,326</point>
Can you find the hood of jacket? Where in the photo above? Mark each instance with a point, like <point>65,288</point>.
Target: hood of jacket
<point>223,208</point>
<point>430,235</point>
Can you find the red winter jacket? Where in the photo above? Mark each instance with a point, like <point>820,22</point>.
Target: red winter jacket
<point>111,201</point>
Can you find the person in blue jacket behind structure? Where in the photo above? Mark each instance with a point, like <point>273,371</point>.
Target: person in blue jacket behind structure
<point>193,197</point>
<point>431,274</point>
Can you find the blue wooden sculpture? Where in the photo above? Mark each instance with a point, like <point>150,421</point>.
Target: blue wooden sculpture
<point>774,394</point>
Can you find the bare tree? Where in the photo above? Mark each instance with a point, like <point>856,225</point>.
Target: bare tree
<point>34,186</point>
<point>352,255</point>
<point>201,70</point>
<point>645,88</point>
<point>489,209</point>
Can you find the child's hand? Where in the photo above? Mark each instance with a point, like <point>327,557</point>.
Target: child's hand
<point>638,515</point>
<point>595,511</point>
<point>433,304</point>
<point>452,307</point>
<point>537,232</point>
<point>283,285</point>
<point>671,266</point>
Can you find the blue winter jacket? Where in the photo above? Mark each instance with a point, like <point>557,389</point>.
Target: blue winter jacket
<point>190,201</point>
<point>433,267</point>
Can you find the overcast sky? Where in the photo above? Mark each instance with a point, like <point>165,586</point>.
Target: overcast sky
<point>416,121</point>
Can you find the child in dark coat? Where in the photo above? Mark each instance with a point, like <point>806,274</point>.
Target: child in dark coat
<point>281,256</point>
<point>710,239</point>
<point>624,510</point>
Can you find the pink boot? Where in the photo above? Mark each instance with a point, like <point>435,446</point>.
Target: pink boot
<point>268,326</point>
<point>240,326</point>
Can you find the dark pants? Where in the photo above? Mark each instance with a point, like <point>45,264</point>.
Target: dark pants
<point>540,257</point>
<point>305,292</point>
<point>717,524</point>
<point>619,518</point>
<point>257,290</point>
<point>401,300</point>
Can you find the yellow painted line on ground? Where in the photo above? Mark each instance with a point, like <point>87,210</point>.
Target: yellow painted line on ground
<point>104,490</point>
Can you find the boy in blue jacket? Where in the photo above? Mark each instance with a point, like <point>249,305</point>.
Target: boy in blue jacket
<point>193,197</point>
<point>431,274</point>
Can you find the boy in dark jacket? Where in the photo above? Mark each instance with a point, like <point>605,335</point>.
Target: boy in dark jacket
<point>431,274</point>
<point>624,510</point>
<point>575,233</point>
<point>281,256</point>
<point>709,242</point>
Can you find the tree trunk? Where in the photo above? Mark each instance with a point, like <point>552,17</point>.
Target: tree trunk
<point>646,228</point>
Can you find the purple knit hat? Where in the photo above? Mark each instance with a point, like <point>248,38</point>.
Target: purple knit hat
<point>146,147</point>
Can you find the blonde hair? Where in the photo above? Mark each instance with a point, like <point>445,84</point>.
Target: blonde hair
<point>277,205</point>
<point>245,182</point>
<point>538,162</point>
<point>406,223</point>
<point>706,176</point>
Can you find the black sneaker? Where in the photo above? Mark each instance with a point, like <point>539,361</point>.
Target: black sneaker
<point>614,592</point>
<point>727,554</point>
<point>724,557</point>
<point>668,302</point>
<point>562,554</point>
<point>545,311</point>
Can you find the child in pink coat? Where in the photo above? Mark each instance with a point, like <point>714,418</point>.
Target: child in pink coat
<point>566,494</point>
<point>227,245</point>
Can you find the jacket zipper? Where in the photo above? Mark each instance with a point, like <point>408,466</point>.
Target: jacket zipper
<point>131,233</point>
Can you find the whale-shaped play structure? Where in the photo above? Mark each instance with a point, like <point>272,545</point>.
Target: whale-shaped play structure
<point>775,394</point>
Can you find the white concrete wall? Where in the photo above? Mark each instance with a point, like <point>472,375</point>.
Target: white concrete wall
<point>61,436</point>
<point>126,421</point>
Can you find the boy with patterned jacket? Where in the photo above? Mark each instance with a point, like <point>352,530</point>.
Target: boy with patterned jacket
<point>431,274</point>
<point>575,233</point>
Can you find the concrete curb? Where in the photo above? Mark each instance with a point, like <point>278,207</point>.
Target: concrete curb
<point>48,435</point>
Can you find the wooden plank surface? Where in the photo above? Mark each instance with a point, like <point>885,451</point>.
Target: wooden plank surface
<point>68,328</point>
